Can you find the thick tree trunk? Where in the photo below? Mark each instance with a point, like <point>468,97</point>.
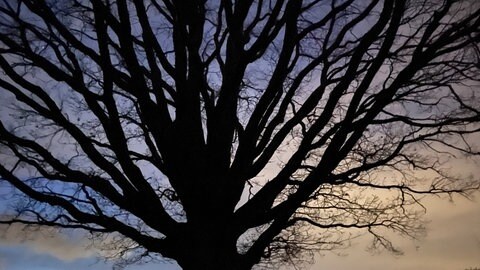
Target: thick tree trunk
<point>208,239</point>
<point>210,243</point>
<point>211,263</point>
<point>213,253</point>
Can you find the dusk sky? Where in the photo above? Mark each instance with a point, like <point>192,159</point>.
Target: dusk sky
<point>452,243</point>
<point>331,106</point>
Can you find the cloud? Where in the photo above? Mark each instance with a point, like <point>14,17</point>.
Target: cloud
<point>452,242</point>
<point>45,241</point>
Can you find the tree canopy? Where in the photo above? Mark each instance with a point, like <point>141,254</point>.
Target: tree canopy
<point>229,134</point>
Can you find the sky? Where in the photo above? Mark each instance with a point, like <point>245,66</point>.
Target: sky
<point>452,243</point>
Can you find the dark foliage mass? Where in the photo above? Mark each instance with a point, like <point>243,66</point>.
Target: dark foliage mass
<point>234,134</point>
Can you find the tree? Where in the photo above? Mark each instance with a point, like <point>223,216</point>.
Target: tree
<point>227,134</point>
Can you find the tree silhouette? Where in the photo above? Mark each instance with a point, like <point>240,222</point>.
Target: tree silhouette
<point>228,134</point>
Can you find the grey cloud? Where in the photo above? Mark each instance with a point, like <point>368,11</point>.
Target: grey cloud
<point>46,241</point>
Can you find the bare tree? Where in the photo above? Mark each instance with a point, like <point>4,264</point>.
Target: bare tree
<point>228,134</point>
